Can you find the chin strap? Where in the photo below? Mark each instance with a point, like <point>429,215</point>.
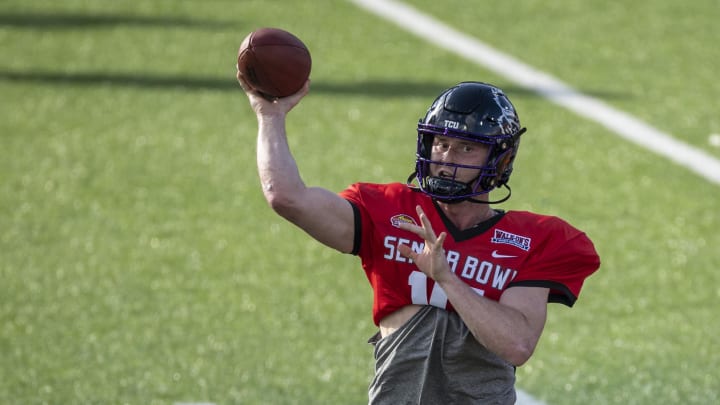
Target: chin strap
<point>494,202</point>
<point>473,200</point>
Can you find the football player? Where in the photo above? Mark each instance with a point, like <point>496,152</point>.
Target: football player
<point>460,288</point>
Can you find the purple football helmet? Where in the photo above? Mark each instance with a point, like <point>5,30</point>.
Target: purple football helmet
<point>476,112</point>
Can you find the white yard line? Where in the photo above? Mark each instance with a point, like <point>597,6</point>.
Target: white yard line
<point>621,123</point>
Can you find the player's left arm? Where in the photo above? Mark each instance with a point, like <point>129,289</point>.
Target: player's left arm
<point>510,327</point>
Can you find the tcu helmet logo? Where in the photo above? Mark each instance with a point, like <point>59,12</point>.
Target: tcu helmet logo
<point>452,124</point>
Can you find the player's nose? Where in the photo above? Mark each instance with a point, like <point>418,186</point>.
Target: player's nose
<point>449,155</point>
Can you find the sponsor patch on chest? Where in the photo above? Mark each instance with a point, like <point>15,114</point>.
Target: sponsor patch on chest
<point>509,238</point>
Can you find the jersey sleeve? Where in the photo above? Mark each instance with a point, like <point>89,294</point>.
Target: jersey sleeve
<point>561,263</point>
<point>353,194</point>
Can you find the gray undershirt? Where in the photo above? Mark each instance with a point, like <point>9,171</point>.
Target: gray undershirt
<point>434,359</point>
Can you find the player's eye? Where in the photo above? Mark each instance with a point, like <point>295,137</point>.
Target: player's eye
<point>440,144</point>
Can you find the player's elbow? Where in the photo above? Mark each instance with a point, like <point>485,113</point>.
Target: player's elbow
<point>280,202</point>
<point>519,358</point>
<point>287,205</point>
<point>520,353</point>
<point>514,350</point>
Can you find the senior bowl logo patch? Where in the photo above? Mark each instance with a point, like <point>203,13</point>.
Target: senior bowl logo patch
<point>400,218</point>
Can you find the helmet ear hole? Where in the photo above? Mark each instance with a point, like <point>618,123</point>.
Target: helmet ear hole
<point>425,141</point>
<point>504,166</point>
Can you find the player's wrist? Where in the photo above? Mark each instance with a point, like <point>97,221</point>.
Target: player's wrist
<point>445,276</point>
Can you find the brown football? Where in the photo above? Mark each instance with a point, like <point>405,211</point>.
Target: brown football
<point>274,62</point>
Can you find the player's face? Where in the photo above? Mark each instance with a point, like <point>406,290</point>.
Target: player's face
<point>458,151</point>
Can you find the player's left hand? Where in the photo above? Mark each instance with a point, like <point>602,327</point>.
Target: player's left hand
<point>432,260</point>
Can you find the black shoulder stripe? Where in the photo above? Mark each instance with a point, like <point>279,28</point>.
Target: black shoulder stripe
<point>559,293</point>
<point>357,237</point>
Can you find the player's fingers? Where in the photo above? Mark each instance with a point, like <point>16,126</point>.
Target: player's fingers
<point>407,252</point>
<point>246,86</point>
<point>417,230</point>
<point>294,99</point>
<point>305,88</point>
<point>429,232</point>
<point>411,228</point>
<point>242,81</point>
<point>441,239</point>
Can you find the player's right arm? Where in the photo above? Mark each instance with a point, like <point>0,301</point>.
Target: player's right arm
<point>321,213</point>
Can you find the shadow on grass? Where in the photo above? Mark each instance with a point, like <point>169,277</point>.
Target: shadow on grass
<point>371,88</point>
<point>377,88</point>
<point>121,79</point>
<point>64,21</point>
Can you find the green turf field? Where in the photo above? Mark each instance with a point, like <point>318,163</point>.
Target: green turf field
<point>139,262</point>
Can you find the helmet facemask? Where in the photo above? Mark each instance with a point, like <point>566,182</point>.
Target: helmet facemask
<point>492,173</point>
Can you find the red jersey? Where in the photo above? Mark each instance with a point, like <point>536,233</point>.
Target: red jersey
<point>515,248</point>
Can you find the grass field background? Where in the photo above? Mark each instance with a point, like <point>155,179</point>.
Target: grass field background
<point>139,263</point>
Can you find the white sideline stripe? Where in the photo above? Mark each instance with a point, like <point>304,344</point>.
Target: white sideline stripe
<point>524,398</point>
<point>623,124</point>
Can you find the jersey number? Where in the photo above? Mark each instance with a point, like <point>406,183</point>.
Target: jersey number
<point>418,291</point>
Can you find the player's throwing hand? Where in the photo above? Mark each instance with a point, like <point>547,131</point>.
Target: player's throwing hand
<point>269,107</point>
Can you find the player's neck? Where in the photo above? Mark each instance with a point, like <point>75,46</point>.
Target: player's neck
<point>467,214</point>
